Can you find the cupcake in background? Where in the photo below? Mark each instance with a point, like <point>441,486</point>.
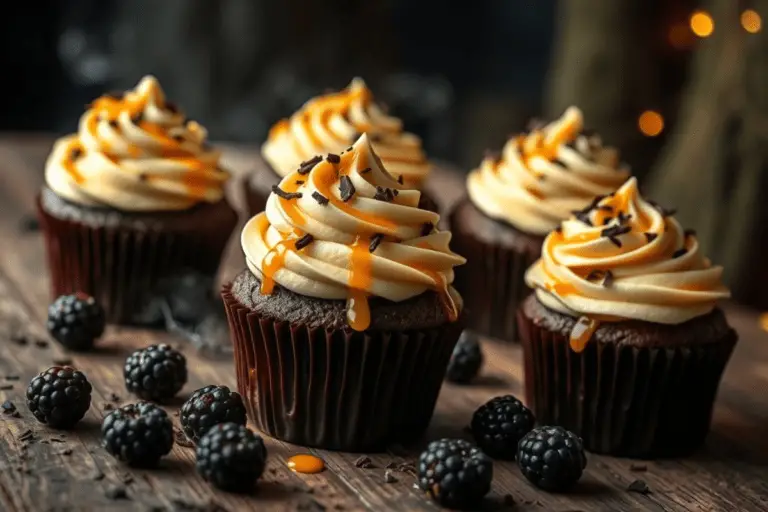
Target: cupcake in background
<point>330,124</point>
<point>132,199</point>
<point>513,201</point>
<point>345,319</point>
<point>623,341</point>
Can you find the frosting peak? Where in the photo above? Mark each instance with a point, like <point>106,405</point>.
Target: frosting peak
<point>341,227</point>
<point>136,151</point>
<point>625,258</point>
<point>542,176</point>
<point>332,122</point>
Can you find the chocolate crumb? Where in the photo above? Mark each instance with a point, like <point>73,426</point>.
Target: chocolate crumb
<point>62,361</point>
<point>56,440</point>
<point>320,198</point>
<point>391,465</point>
<point>400,179</point>
<point>623,218</point>
<point>679,252</point>
<point>407,467</point>
<point>427,228</point>
<point>116,492</point>
<point>12,377</point>
<point>650,237</point>
<point>308,165</point>
<point>107,407</point>
<point>8,407</point>
<point>346,188</point>
<point>19,338</point>
<point>299,182</point>
<point>375,241</point>
<point>182,439</point>
<point>364,462</point>
<point>285,195</point>
<point>27,435</point>
<point>29,224</point>
<point>304,241</point>
<point>605,275</point>
<point>639,486</point>
<point>113,397</point>
<point>333,158</point>
<point>384,194</point>
<point>389,478</point>
<point>366,170</point>
<point>559,229</point>
<point>689,232</point>
<point>638,468</point>
<point>41,343</point>
<point>66,452</point>
<point>6,387</point>
<point>608,279</point>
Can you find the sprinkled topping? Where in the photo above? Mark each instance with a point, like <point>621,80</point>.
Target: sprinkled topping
<point>375,241</point>
<point>285,195</point>
<point>366,170</point>
<point>320,198</point>
<point>612,233</point>
<point>679,252</point>
<point>304,241</point>
<point>650,237</point>
<point>623,218</point>
<point>400,179</point>
<point>427,228</point>
<point>308,165</point>
<point>346,188</point>
<point>605,275</point>
<point>385,194</point>
<point>299,182</point>
<point>333,158</point>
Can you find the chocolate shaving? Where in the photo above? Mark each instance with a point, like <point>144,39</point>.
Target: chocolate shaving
<point>333,158</point>
<point>606,208</point>
<point>607,221</point>
<point>350,148</point>
<point>427,228</point>
<point>347,188</point>
<point>614,231</point>
<point>583,214</point>
<point>375,241</point>
<point>304,241</point>
<point>367,169</point>
<point>364,462</point>
<point>384,194</point>
<point>650,237</point>
<point>308,165</point>
<point>320,198</point>
<point>605,275</point>
<point>623,218</point>
<point>400,179</point>
<point>299,182</point>
<point>679,252</point>
<point>285,195</point>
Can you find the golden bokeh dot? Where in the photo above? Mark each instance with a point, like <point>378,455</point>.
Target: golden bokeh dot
<point>651,123</point>
<point>702,24</point>
<point>751,21</point>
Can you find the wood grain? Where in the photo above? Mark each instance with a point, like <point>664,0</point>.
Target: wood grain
<point>729,473</point>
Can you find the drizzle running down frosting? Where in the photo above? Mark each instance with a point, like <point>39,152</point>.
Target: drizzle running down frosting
<point>332,122</point>
<point>624,258</point>
<point>341,227</point>
<point>543,176</point>
<point>136,152</point>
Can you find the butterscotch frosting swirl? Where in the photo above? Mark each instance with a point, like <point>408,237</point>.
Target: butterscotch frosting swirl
<point>136,152</point>
<point>543,176</point>
<point>342,227</point>
<point>332,122</point>
<point>624,258</point>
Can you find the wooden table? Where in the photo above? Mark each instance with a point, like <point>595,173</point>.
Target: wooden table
<point>72,472</point>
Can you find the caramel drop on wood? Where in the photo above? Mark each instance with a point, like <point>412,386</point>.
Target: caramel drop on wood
<point>305,463</point>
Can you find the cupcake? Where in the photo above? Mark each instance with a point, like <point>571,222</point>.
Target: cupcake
<point>623,340</point>
<point>514,200</point>
<point>345,319</point>
<point>132,199</point>
<point>330,124</point>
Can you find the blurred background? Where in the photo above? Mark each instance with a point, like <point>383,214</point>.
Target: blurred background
<point>678,85</point>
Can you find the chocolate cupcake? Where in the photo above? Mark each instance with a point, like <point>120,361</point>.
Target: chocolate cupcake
<point>330,124</point>
<point>345,319</point>
<point>132,200</point>
<point>515,199</point>
<point>623,341</point>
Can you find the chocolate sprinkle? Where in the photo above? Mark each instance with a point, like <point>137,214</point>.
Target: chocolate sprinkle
<point>308,165</point>
<point>367,169</point>
<point>427,228</point>
<point>350,148</point>
<point>346,188</point>
<point>623,218</point>
<point>285,195</point>
<point>607,221</point>
<point>650,237</point>
<point>384,194</point>
<point>679,252</point>
<point>320,198</point>
<point>299,182</point>
<point>333,158</point>
<point>614,231</point>
<point>375,241</point>
<point>605,275</point>
<point>606,208</point>
<point>400,179</point>
<point>304,241</point>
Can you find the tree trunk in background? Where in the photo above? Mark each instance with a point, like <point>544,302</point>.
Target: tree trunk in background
<point>713,167</point>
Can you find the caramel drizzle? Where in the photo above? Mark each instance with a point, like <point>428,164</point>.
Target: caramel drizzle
<point>582,332</point>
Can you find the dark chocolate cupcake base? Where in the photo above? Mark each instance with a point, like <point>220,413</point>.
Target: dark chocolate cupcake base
<point>332,387</point>
<point>637,390</point>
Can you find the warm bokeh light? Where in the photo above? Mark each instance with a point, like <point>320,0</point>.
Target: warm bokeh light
<point>702,24</point>
<point>650,123</point>
<point>751,21</point>
<point>680,36</point>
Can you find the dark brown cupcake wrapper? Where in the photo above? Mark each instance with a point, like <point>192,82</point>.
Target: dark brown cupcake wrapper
<point>337,389</point>
<point>641,402</point>
<point>122,266</point>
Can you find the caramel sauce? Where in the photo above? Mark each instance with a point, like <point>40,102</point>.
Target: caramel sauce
<point>272,262</point>
<point>360,279</point>
<point>305,463</point>
<point>582,332</point>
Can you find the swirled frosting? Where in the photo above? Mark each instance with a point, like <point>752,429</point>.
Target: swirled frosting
<point>543,176</point>
<point>625,258</point>
<point>332,122</point>
<point>342,227</point>
<point>136,152</point>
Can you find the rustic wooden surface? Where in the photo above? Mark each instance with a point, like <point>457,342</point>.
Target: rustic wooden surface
<point>70,471</point>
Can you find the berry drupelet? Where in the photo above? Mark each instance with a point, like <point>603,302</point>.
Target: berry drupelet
<point>552,458</point>
<point>76,321</point>
<point>499,424</point>
<point>210,406</point>
<point>454,473</point>
<point>231,457</point>
<point>138,434</point>
<point>466,360</point>
<point>155,373</point>
<point>59,397</point>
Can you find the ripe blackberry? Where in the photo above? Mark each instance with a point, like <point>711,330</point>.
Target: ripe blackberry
<point>76,321</point>
<point>552,458</point>
<point>466,360</point>
<point>499,424</point>
<point>454,473</point>
<point>59,397</point>
<point>231,457</point>
<point>138,434</point>
<point>155,373</point>
<point>210,406</point>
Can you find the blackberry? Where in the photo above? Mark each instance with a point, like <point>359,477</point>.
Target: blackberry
<point>155,373</point>
<point>466,360</point>
<point>210,406</point>
<point>454,473</point>
<point>231,457</point>
<point>76,321</point>
<point>138,434</point>
<point>59,397</point>
<point>552,458</point>
<point>499,424</point>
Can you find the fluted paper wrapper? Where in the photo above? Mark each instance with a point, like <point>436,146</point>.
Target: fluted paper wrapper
<point>121,266</point>
<point>337,389</point>
<point>641,402</point>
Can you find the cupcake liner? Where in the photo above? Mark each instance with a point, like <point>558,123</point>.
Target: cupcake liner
<point>640,402</point>
<point>337,389</point>
<point>122,266</point>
